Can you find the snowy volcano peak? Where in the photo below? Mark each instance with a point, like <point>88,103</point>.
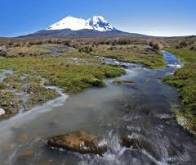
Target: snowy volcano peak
<point>70,23</point>
<point>98,23</point>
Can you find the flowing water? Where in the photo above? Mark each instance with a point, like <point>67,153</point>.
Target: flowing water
<point>141,111</point>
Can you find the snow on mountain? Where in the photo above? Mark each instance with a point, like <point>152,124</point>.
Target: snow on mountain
<point>97,23</point>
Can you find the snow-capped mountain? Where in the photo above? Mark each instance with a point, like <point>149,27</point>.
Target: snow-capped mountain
<point>97,23</point>
<point>77,27</point>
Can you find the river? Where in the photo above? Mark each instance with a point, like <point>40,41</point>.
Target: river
<point>141,111</point>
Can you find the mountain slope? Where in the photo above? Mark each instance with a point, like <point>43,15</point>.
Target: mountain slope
<point>83,33</point>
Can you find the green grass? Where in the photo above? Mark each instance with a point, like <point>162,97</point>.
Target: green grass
<point>34,50</point>
<point>132,53</point>
<point>117,81</point>
<point>185,81</point>
<point>39,95</point>
<point>9,103</point>
<point>72,78</point>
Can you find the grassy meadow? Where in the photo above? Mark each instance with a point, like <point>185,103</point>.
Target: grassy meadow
<point>142,54</point>
<point>70,65</point>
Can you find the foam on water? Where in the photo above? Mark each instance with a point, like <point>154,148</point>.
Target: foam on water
<point>115,154</point>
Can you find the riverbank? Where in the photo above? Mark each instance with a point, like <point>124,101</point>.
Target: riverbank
<point>184,80</point>
<point>23,89</point>
<point>142,54</point>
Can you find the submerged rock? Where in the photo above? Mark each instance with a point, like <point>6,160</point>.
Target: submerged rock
<point>126,66</point>
<point>23,138</point>
<point>137,142</point>
<point>26,154</point>
<point>79,141</point>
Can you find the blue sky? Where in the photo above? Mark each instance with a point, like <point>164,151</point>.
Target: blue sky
<point>153,17</point>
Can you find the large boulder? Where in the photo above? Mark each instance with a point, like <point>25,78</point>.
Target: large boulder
<point>79,141</point>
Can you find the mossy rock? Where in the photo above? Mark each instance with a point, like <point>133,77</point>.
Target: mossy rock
<point>79,141</point>
<point>94,82</point>
<point>125,82</point>
<point>117,81</point>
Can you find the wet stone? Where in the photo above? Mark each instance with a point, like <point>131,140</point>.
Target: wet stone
<point>79,141</point>
<point>124,66</point>
<point>137,142</point>
<point>26,154</point>
<point>22,138</point>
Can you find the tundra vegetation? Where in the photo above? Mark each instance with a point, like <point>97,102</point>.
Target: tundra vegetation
<point>143,54</point>
<point>70,64</point>
<point>184,79</point>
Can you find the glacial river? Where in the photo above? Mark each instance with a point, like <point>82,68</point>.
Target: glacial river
<point>141,110</point>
